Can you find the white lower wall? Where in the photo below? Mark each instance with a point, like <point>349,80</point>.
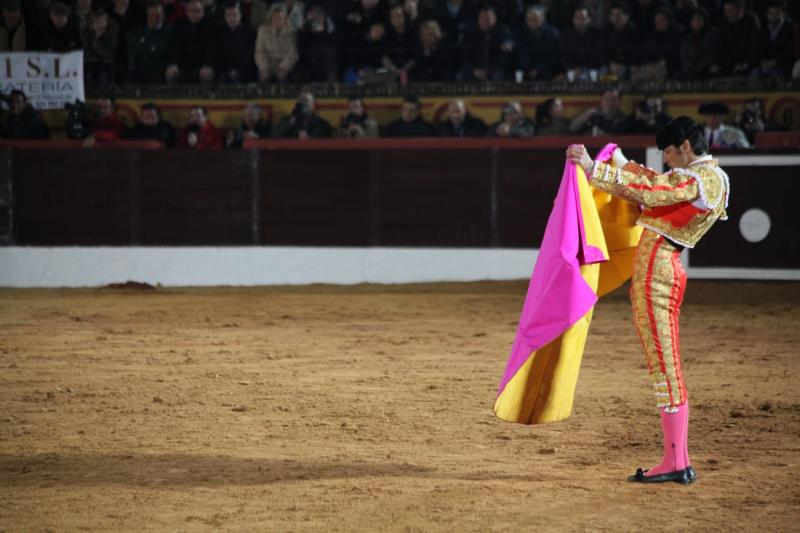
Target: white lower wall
<point>191,266</point>
<point>208,266</point>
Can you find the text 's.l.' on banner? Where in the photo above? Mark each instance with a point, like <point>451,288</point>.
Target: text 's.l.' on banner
<point>49,80</point>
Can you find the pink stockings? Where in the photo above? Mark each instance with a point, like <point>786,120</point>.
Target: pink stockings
<point>675,427</point>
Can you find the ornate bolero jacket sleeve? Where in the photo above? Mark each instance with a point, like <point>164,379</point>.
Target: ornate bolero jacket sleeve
<point>639,184</point>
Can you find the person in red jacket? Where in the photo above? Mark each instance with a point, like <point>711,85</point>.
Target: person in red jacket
<point>107,126</point>
<point>200,132</point>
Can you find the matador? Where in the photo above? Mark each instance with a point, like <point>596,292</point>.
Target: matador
<point>678,208</point>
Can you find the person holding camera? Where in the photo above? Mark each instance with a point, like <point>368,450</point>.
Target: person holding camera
<point>356,124</point>
<point>303,122</point>
<point>648,118</point>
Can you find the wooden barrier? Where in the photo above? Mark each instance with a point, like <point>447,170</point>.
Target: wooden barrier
<point>403,192</point>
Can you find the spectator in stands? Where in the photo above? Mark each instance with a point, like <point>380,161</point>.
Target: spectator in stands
<point>100,41</point>
<point>253,126</point>
<point>235,44</point>
<point>356,124</point>
<point>718,134</point>
<point>622,42</point>
<point>604,119</point>
<point>550,118</point>
<point>741,39</point>
<point>200,133</point>
<point>317,47</point>
<point>191,51</point>
<point>538,46</point>
<point>60,33</point>
<point>400,43</point>
<point>513,123</point>
<point>433,60</point>
<point>454,17</point>
<point>22,120</point>
<point>460,123</point>
<point>643,121</point>
<point>152,127</point>
<point>776,42</point>
<point>13,29</point>
<point>106,125</point>
<point>127,15</point>
<point>663,43</point>
<point>580,48</point>
<point>486,50</point>
<point>303,122</point>
<point>148,47</point>
<point>368,56</point>
<point>752,120</point>
<point>81,13</point>
<point>701,48</point>
<point>410,123</point>
<point>276,47</point>
<point>360,22</point>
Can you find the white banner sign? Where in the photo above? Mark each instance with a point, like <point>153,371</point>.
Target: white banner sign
<point>49,80</point>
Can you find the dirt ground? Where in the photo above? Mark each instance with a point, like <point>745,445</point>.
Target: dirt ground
<point>368,408</point>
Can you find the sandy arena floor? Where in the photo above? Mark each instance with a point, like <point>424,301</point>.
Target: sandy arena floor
<point>369,409</point>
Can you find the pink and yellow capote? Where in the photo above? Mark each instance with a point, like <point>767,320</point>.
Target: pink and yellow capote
<point>588,250</point>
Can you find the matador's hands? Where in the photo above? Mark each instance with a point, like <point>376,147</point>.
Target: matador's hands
<point>577,154</point>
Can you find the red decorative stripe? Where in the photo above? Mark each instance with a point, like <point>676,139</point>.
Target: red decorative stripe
<point>660,187</point>
<point>674,305</point>
<point>651,312</point>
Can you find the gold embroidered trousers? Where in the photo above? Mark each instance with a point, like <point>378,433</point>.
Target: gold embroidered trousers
<point>656,292</point>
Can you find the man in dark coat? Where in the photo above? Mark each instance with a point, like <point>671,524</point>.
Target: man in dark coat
<point>460,123</point>
<point>60,33</point>
<point>236,43</point>
<point>622,42</point>
<point>410,123</point>
<point>538,46</point>
<point>580,47</point>
<point>152,127</point>
<point>192,47</point>
<point>486,50</point>
<point>23,121</point>
<point>741,39</point>
<point>148,47</point>
<point>303,122</point>
<point>776,41</point>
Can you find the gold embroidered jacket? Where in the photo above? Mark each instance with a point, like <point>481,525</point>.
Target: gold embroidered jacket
<point>681,204</point>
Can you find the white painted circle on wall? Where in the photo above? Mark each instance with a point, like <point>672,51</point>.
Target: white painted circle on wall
<point>755,225</point>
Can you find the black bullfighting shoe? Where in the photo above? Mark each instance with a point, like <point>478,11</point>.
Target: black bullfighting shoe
<point>691,473</point>
<point>679,476</point>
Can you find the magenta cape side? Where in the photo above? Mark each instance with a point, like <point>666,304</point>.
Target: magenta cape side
<point>558,295</point>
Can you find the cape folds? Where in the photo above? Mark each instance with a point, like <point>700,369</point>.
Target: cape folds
<point>587,251</point>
